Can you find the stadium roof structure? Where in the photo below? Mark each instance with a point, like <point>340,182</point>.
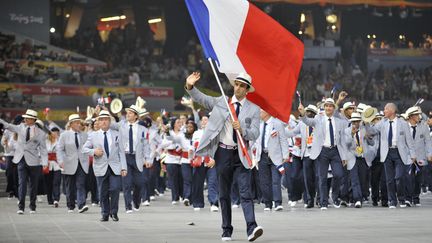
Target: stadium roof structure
<point>377,3</point>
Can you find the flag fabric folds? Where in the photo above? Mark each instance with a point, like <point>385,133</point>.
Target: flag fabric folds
<point>239,37</point>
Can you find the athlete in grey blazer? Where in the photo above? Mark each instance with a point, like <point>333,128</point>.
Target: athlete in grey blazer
<point>360,155</point>
<point>327,148</point>
<point>396,152</point>
<point>109,163</point>
<point>137,152</point>
<point>75,164</point>
<point>271,152</point>
<point>423,150</point>
<point>219,141</point>
<point>30,155</point>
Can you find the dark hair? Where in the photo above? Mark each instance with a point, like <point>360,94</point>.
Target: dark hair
<point>189,135</point>
<point>173,121</point>
<point>18,119</point>
<point>55,129</point>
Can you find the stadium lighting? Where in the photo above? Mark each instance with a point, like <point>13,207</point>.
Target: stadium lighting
<point>52,30</point>
<point>302,18</point>
<point>331,18</point>
<point>374,36</point>
<point>154,21</point>
<point>368,36</point>
<point>67,15</point>
<point>333,27</point>
<point>113,18</point>
<point>300,32</point>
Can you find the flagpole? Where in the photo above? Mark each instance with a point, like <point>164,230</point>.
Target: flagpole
<point>239,137</point>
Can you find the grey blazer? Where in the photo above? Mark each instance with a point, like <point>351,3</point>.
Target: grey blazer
<point>34,151</point>
<point>219,114</point>
<point>117,158</point>
<point>318,122</point>
<point>405,142</point>
<point>369,150</point>
<point>422,143</point>
<point>68,155</point>
<point>277,144</point>
<point>142,147</point>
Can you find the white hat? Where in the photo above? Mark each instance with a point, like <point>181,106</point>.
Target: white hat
<point>380,114</point>
<point>312,108</point>
<point>355,116</point>
<point>104,113</point>
<point>30,114</point>
<point>329,101</point>
<point>361,107</point>
<point>404,116</point>
<point>40,123</point>
<point>369,114</point>
<point>74,117</point>
<point>244,78</point>
<point>143,112</point>
<point>347,105</point>
<point>412,111</point>
<point>133,108</point>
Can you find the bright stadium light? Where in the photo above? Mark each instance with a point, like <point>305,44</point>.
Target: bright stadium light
<point>302,18</point>
<point>333,27</point>
<point>52,30</point>
<point>300,32</point>
<point>113,18</point>
<point>154,21</point>
<point>332,18</point>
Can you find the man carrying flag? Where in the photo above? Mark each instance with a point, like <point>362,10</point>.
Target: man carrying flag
<point>245,43</point>
<point>219,141</point>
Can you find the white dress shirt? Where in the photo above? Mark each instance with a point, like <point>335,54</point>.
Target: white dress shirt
<point>226,136</point>
<point>394,138</point>
<point>108,134</point>
<point>134,136</point>
<point>327,141</point>
<point>267,132</point>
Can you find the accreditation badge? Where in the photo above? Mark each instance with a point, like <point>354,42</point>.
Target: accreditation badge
<point>359,150</point>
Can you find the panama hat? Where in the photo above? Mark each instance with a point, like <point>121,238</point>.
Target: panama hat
<point>244,78</point>
<point>31,114</point>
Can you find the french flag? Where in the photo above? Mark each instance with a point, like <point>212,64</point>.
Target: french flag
<point>239,37</point>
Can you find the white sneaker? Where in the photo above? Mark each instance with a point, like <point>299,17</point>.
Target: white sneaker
<point>257,232</point>
<point>20,211</point>
<point>129,211</point>
<point>214,208</point>
<point>94,204</point>
<point>197,209</point>
<point>279,208</point>
<point>174,202</point>
<point>226,239</point>
<point>358,204</point>
<point>392,207</point>
<point>152,198</point>
<point>235,206</point>
<point>135,209</point>
<point>402,205</point>
<point>267,209</point>
<point>56,204</point>
<point>186,202</point>
<point>147,203</point>
<point>70,211</point>
<point>83,209</point>
<point>293,204</point>
<point>408,203</point>
<point>32,211</point>
<point>161,194</point>
<point>323,208</point>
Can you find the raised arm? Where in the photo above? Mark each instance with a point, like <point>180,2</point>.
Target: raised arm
<point>9,126</point>
<point>207,101</point>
